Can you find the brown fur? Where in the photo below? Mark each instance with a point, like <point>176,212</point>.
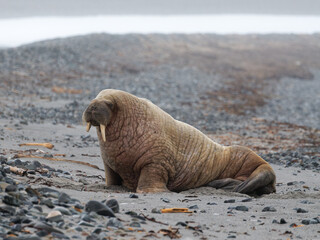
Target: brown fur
<point>149,151</point>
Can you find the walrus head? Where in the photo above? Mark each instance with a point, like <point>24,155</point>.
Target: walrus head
<point>99,113</point>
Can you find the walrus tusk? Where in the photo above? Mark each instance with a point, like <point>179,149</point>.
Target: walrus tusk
<point>103,131</point>
<point>88,126</point>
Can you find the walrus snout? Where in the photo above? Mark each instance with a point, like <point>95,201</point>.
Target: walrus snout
<point>98,113</point>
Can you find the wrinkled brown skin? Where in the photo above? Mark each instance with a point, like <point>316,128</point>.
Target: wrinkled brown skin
<point>149,151</point>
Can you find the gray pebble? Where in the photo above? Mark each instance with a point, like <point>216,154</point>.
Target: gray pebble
<point>269,209</point>
<point>84,223</point>
<point>11,188</point>
<point>47,202</point>
<point>300,210</point>
<point>114,222</point>
<point>99,208</point>
<point>135,224</point>
<point>63,210</point>
<point>194,207</point>
<point>132,195</point>
<point>242,208</point>
<point>113,204</point>
<point>11,200</point>
<point>64,198</point>
<point>155,210</point>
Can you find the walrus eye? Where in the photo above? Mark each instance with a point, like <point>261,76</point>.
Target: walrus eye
<point>109,104</point>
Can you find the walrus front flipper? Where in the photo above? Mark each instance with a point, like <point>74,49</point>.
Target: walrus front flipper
<point>112,178</point>
<point>153,178</point>
<point>227,184</point>
<point>261,181</point>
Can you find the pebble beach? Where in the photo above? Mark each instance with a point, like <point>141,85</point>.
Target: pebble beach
<point>259,91</point>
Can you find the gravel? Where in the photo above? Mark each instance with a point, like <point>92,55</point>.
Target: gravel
<point>295,101</point>
<point>150,67</point>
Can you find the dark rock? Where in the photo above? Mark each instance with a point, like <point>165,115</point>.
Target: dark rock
<point>194,207</point>
<point>86,217</point>
<point>132,195</point>
<point>155,210</point>
<point>307,202</point>
<point>242,208</point>
<point>93,236</point>
<point>9,180</point>
<point>283,221</point>
<point>34,200</point>
<point>19,220</point>
<point>11,200</point>
<point>16,227</point>
<point>63,210</point>
<point>300,210</point>
<point>56,235</point>
<point>3,160</point>
<point>183,224</point>
<point>47,202</point>
<point>84,223</point>
<point>212,203</point>
<point>99,208</point>
<point>97,230</point>
<point>292,183</point>
<point>166,200</point>
<point>269,209</point>
<point>22,212</point>
<point>54,216</point>
<point>27,237</point>
<point>135,224</point>
<point>78,228</point>
<point>42,233</point>
<point>38,208</point>
<point>49,192</point>
<point>230,201</point>
<point>6,169</point>
<point>311,221</point>
<point>45,227</point>
<point>37,163</point>
<point>64,198</point>
<point>114,222</point>
<point>131,213</point>
<point>113,204</point>
<point>79,206</point>
<point>246,200</point>
<point>31,167</point>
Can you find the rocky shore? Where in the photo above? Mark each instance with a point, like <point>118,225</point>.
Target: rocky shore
<point>260,91</point>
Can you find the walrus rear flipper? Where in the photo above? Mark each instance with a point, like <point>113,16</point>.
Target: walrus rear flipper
<point>227,184</point>
<point>261,181</point>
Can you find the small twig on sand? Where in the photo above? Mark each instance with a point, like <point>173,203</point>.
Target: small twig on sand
<point>58,159</point>
<point>47,145</point>
<point>152,219</point>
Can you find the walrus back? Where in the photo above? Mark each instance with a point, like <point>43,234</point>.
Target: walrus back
<point>198,158</point>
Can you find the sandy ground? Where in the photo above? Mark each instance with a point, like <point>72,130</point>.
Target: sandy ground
<point>257,91</point>
<point>208,221</point>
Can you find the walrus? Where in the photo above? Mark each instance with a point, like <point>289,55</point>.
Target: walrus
<point>147,150</point>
